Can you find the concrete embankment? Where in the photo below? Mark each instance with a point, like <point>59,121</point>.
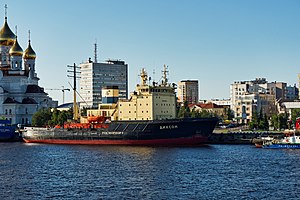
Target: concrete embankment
<point>240,137</point>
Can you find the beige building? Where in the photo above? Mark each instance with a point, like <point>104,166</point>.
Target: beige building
<point>247,104</point>
<point>110,96</point>
<point>188,90</point>
<point>258,93</point>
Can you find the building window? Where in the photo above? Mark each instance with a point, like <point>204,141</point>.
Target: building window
<point>9,111</point>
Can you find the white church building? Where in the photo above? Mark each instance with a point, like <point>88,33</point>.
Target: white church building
<point>20,94</point>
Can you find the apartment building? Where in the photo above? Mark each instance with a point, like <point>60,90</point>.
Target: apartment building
<point>188,90</point>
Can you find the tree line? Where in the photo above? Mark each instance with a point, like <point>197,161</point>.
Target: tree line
<point>46,117</point>
<point>260,121</point>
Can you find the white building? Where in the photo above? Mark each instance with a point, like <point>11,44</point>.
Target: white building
<point>20,94</point>
<point>240,91</point>
<point>289,106</point>
<point>247,104</point>
<point>95,76</point>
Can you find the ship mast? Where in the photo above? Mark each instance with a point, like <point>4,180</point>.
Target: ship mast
<point>164,78</point>
<point>144,77</point>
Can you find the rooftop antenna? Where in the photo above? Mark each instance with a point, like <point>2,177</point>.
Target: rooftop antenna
<point>16,28</point>
<point>95,52</point>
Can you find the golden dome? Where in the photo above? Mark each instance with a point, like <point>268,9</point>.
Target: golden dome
<point>29,53</point>
<point>7,37</point>
<point>16,50</point>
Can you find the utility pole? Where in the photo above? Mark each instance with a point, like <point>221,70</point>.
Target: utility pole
<point>74,76</point>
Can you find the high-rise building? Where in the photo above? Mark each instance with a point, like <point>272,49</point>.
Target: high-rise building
<point>95,76</point>
<point>188,91</point>
<point>20,94</point>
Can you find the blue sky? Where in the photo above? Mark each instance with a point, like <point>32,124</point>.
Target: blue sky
<point>214,41</point>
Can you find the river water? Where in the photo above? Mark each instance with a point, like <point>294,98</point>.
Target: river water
<point>40,171</point>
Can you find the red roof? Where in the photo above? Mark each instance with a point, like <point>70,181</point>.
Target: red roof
<point>206,105</point>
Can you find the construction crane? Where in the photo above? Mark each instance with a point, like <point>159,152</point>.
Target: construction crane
<point>63,89</point>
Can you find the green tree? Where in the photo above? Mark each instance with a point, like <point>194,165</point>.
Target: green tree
<point>63,117</point>
<point>205,113</point>
<point>83,111</point>
<point>230,114</point>
<point>275,121</point>
<point>283,121</point>
<point>253,125</point>
<point>260,116</point>
<point>184,111</point>
<point>45,117</point>
<point>295,114</point>
<point>280,121</point>
<point>266,123</point>
<point>194,113</point>
<point>41,117</point>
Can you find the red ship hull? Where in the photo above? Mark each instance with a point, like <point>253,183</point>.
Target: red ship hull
<point>175,132</point>
<point>193,141</point>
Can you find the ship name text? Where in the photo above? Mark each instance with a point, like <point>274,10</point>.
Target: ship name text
<point>168,127</point>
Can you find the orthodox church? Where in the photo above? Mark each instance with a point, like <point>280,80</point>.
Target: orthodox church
<point>20,94</point>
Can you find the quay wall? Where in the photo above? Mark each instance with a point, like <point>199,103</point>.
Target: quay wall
<point>240,137</point>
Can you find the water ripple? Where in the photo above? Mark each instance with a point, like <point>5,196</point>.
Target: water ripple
<point>95,172</point>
